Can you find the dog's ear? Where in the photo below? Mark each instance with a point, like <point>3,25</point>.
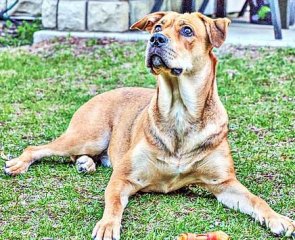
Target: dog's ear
<point>216,29</point>
<point>147,23</point>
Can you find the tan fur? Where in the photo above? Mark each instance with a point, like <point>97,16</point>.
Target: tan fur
<point>164,139</point>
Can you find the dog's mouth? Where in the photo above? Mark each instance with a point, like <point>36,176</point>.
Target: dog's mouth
<point>156,63</point>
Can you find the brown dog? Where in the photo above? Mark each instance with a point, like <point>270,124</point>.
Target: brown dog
<point>164,139</point>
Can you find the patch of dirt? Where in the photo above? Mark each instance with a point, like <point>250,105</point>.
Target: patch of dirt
<point>290,59</point>
<point>260,132</point>
<point>250,52</point>
<point>78,46</point>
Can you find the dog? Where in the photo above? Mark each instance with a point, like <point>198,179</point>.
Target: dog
<point>164,139</point>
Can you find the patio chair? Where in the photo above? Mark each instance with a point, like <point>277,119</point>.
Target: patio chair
<point>274,8</point>
<point>187,6</point>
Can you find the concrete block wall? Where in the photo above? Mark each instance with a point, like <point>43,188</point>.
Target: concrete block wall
<point>23,7</point>
<point>71,15</point>
<point>93,15</point>
<point>49,14</point>
<point>108,16</point>
<point>139,8</point>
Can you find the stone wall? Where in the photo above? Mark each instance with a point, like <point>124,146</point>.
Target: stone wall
<point>139,8</point>
<point>99,15</point>
<point>49,9</point>
<point>108,16</point>
<point>23,7</point>
<point>2,5</point>
<point>87,15</point>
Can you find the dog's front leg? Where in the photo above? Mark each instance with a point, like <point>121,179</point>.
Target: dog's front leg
<point>116,199</point>
<point>234,195</point>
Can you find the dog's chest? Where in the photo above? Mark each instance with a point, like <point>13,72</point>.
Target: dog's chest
<point>180,117</point>
<point>164,174</point>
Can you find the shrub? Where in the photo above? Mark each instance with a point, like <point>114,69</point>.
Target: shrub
<point>24,34</point>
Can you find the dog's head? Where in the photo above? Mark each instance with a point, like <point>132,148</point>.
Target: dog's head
<point>179,42</point>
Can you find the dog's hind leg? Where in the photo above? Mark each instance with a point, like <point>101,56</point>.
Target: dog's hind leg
<point>65,145</point>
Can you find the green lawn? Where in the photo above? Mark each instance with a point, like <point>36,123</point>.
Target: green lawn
<point>41,88</point>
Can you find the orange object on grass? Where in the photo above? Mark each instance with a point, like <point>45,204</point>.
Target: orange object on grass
<point>219,235</point>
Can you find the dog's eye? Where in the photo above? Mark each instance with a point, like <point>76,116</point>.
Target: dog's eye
<point>187,31</point>
<point>158,28</point>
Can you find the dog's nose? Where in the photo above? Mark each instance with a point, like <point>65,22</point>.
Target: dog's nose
<point>158,40</point>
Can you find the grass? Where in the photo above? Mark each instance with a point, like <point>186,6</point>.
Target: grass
<point>42,87</point>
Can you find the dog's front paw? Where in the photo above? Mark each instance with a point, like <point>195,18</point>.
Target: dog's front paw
<point>281,225</point>
<point>15,167</point>
<point>107,229</point>
<point>85,164</point>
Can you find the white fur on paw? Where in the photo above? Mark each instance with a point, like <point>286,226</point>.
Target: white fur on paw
<point>281,225</point>
<point>85,164</point>
<point>106,229</point>
<point>15,166</point>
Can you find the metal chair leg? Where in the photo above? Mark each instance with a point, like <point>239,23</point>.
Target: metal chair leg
<point>188,6</point>
<point>221,8</point>
<point>285,13</point>
<point>203,6</point>
<point>276,19</point>
<point>157,5</point>
<point>292,12</point>
<point>244,8</point>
